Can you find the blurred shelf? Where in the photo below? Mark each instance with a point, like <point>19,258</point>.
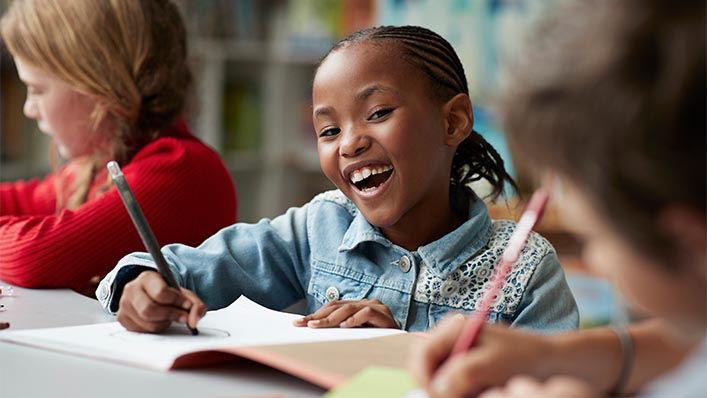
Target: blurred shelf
<point>253,66</point>
<point>229,49</point>
<point>304,158</point>
<point>10,171</point>
<point>243,160</point>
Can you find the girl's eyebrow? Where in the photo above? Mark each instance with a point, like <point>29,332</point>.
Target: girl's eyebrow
<point>362,95</point>
<point>322,111</point>
<point>372,89</point>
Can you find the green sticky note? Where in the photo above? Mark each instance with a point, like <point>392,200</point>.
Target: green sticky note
<point>378,382</point>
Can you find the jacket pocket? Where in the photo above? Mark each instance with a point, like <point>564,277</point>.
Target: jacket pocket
<point>331,283</point>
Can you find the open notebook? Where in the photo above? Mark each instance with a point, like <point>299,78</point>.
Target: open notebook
<point>243,329</point>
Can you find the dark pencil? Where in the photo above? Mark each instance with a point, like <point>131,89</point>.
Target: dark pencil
<point>143,228</point>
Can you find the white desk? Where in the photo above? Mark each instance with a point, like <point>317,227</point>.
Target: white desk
<point>31,372</point>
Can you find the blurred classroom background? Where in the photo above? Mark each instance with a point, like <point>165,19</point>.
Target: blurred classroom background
<point>253,63</point>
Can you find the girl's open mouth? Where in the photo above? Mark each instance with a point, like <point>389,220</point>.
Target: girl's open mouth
<point>368,178</point>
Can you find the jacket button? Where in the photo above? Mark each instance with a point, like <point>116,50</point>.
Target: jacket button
<point>104,291</point>
<point>448,288</point>
<point>404,264</point>
<point>332,294</point>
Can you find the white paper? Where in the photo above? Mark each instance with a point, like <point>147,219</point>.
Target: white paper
<point>243,323</point>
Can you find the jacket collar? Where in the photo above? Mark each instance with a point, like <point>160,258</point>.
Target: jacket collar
<point>443,255</point>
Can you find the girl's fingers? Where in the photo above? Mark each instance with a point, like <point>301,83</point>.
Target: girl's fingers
<point>150,311</point>
<point>335,317</point>
<point>318,314</point>
<point>197,308</point>
<point>129,323</point>
<point>523,385</point>
<point>303,321</point>
<point>374,316</point>
<point>343,313</point>
<point>495,392</point>
<point>148,304</point>
<point>358,318</point>
<point>469,373</point>
<point>570,387</point>
<point>556,387</point>
<point>157,289</point>
<point>457,377</point>
<point>128,317</point>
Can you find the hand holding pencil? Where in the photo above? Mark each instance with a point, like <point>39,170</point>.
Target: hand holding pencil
<point>520,235</point>
<point>149,305</point>
<point>457,334</point>
<point>151,310</point>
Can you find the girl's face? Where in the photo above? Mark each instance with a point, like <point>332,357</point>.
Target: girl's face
<point>671,291</point>
<point>381,137</point>
<point>60,111</point>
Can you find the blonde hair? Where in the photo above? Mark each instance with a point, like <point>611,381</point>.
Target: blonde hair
<point>129,55</point>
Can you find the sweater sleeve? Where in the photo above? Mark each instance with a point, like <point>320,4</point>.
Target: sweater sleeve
<point>66,249</point>
<point>28,197</point>
<point>185,193</point>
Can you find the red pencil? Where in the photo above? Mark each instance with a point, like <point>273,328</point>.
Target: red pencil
<point>528,220</point>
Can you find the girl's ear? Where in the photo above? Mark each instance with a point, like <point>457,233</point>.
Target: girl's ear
<point>458,119</point>
<point>688,228</point>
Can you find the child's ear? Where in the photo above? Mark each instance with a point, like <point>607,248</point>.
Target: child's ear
<point>688,228</point>
<point>458,119</point>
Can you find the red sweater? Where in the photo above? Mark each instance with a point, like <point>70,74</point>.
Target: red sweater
<point>181,185</point>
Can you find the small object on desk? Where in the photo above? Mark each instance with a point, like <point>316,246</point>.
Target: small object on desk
<point>7,290</point>
<point>143,228</point>
<point>516,243</point>
<point>378,381</point>
<point>4,325</point>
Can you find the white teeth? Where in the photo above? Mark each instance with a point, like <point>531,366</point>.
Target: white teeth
<point>365,172</point>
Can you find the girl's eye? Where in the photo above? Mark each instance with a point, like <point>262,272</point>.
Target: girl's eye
<point>330,132</point>
<point>380,113</point>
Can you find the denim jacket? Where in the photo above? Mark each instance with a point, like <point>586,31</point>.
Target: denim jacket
<point>327,251</point>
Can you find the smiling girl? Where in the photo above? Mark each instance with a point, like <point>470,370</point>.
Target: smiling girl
<point>397,245</point>
<point>105,80</point>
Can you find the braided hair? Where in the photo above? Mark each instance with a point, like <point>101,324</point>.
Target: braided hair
<point>475,158</point>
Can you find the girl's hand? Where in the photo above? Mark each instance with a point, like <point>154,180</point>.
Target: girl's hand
<point>350,314</point>
<point>556,387</point>
<point>499,354</point>
<point>149,305</point>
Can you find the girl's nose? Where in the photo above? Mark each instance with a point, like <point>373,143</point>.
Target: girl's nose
<point>353,143</point>
<point>30,108</point>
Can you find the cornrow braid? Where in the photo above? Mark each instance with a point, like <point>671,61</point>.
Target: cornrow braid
<point>475,158</point>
